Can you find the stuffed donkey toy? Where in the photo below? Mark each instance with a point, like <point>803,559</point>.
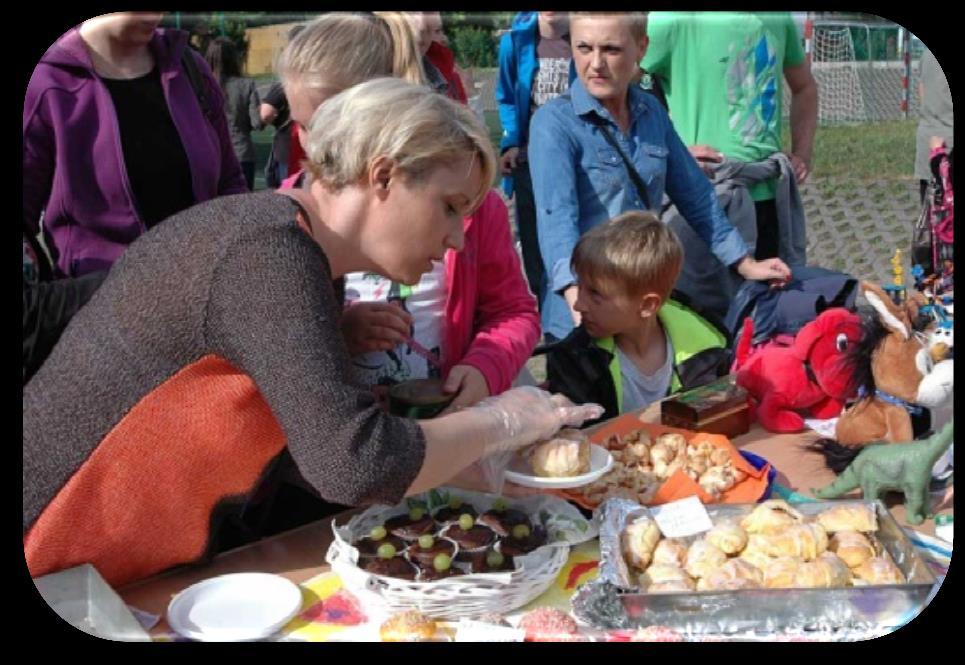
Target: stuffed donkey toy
<point>897,371</point>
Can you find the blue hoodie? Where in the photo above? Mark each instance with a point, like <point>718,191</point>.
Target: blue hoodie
<point>517,68</point>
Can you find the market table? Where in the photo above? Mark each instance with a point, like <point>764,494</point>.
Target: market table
<point>299,554</point>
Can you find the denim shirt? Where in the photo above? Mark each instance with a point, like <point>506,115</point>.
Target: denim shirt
<point>580,181</point>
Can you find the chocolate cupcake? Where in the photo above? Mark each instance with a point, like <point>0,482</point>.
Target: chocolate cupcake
<point>396,566</point>
<point>470,537</point>
<point>451,513</point>
<point>429,573</point>
<point>522,540</point>
<point>426,555</point>
<point>368,545</point>
<point>412,525</point>
<point>491,560</point>
<point>502,519</point>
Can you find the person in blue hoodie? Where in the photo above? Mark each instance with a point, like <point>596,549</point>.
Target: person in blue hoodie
<point>535,66</point>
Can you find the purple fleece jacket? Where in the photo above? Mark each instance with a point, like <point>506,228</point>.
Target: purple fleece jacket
<point>73,162</point>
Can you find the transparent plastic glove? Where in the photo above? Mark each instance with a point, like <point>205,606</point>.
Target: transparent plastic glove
<point>522,416</point>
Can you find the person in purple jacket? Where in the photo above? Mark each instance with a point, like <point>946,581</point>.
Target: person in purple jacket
<point>123,126</point>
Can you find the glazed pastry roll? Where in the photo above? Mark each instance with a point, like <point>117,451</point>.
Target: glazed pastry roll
<point>853,547</point>
<point>734,574</point>
<point>825,572</point>
<point>754,553</point>
<point>879,570</point>
<point>703,558</point>
<point>565,455</point>
<point>728,537</point>
<point>770,517</point>
<point>780,572</point>
<point>666,578</point>
<point>854,517</point>
<point>639,541</point>
<point>670,552</point>
<point>806,540</point>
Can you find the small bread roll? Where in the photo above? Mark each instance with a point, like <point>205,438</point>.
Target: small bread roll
<point>670,552</point>
<point>409,626</point>
<point>825,572</point>
<point>854,517</point>
<point>734,574</point>
<point>852,546</point>
<point>565,455</point>
<point>879,570</point>
<point>663,575</point>
<point>728,536</point>
<point>676,442</point>
<point>704,558</point>
<point>639,540</point>
<point>717,480</point>
<point>806,541</point>
<point>754,553</point>
<point>780,572</point>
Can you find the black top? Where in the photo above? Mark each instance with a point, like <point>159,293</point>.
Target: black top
<point>276,97</point>
<point>157,166</point>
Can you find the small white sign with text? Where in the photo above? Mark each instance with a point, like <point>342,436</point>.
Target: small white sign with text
<point>679,519</point>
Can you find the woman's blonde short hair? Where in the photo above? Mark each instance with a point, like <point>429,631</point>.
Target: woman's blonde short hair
<point>414,126</point>
<point>636,21</point>
<point>339,50</point>
<point>632,254</point>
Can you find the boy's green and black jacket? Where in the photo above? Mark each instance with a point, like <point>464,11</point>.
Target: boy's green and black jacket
<point>587,370</point>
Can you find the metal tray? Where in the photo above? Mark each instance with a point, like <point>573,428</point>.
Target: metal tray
<point>610,602</point>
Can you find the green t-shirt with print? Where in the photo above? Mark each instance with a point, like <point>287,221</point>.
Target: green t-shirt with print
<point>722,74</point>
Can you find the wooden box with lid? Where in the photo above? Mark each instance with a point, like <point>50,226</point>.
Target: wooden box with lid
<point>719,407</point>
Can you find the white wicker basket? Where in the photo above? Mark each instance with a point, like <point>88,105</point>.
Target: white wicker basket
<point>465,595</point>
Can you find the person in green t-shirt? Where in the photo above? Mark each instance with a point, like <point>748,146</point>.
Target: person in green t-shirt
<point>721,74</point>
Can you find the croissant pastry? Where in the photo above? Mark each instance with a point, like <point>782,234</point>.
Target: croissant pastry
<point>852,546</point>
<point>770,517</point>
<point>734,574</point>
<point>879,570</point>
<point>754,553</point>
<point>853,517</point>
<point>639,540</point>
<point>659,573</point>
<point>825,572</point>
<point>703,558</point>
<point>670,552</point>
<point>729,537</point>
<point>779,573</point>
<point>801,540</point>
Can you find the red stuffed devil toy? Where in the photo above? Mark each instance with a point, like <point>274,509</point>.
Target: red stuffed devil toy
<point>811,376</point>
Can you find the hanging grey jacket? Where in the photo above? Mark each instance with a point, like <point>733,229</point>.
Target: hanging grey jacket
<point>704,279</point>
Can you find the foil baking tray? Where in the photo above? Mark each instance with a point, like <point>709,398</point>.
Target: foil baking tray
<point>613,601</point>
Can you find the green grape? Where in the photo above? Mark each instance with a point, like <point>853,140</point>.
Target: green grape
<point>455,502</point>
<point>386,551</point>
<point>495,559</point>
<point>466,521</point>
<point>499,505</point>
<point>377,533</point>
<point>426,541</point>
<point>442,562</point>
<point>416,514</point>
<point>520,531</point>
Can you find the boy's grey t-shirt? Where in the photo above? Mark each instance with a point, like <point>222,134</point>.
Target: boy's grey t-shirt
<point>639,389</point>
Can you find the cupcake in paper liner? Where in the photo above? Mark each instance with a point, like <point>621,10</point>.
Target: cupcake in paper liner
<point>471,538</point>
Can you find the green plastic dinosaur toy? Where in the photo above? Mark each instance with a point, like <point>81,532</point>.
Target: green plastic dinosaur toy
<point>905,467</point>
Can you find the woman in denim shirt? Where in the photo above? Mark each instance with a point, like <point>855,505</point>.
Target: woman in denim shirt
<point>580,180</point>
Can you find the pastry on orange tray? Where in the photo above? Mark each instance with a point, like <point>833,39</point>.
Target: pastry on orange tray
<point>639,540</point>
<point>825,572</point>
<point>670,552</point>
<point>806,540</point>
<point>718,479</point>
<point>733,574</point>
<point>664,577</point>
<point>703,558</point>
<point>771,516</point>
<point>779,573</point>
<point>852,517</point>
<point>853,547</point>
<point>548,624</point>
<point>727,536</point>
<point>567,454</point>
<point>879,570</point>
<point>408,626</point>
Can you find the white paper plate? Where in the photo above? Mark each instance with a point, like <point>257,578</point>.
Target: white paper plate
<point>520,472</point>
<point>234,608</point>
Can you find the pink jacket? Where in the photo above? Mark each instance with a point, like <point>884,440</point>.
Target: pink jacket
<point>492,322</point>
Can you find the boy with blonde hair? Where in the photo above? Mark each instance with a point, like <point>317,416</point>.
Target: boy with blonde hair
<point>637,341</point>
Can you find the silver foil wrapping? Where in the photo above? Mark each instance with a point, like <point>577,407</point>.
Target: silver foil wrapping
<point>614,600</point>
